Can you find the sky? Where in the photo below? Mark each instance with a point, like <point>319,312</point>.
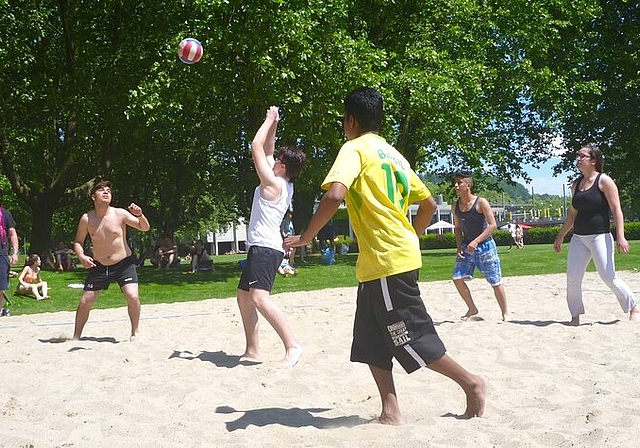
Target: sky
<point>543,181</point>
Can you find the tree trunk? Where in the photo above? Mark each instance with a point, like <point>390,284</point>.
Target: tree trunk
<point>303,203</point>
<point>41,225</point>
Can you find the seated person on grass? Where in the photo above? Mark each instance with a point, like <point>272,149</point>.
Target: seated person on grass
<point>200,258</point>
<point>165,254</point>
<point>285,269</point>
<point>29,281</point>
<point>62,255</point>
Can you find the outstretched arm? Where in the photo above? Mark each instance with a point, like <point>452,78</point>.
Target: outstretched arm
<point>328,206</point>
<point>262,149</point>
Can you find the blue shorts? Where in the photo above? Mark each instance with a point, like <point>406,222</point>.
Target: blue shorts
<point>5,267</point>
<point>485,258</point>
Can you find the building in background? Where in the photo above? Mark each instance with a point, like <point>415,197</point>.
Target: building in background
<point>232,240</point>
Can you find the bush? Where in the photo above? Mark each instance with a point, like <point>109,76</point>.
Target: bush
<point>503,238</point>
<point>547,235</point>
<point>632,230</point>
<point>444,241</point>
<point>534,235</point>
<point>541,235</point>
<point>343,239</point>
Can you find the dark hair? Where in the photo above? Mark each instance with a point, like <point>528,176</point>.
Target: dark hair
<point>596,154</point>
<point>294,160</point>
<point>99,185</point>
<point>463,174</point>
<point>366,106</point>
<point>31,259</point>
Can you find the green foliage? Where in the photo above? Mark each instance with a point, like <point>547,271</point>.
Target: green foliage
<point>503,238</point>
<point>448,240</point>
<point>343,239</point>
<point>542,235</point>
<point>547,235</point>
<point>632,230</point>
<point>534,235</point>
<point>438,241</point>
<point>91,90</point>
<point>596,98</point>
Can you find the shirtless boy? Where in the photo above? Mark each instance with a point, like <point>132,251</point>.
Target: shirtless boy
<point>112,259</point>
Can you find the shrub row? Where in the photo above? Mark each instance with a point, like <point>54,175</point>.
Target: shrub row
<point>535,235</point>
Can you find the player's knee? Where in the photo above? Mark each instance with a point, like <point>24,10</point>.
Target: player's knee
<point>88,300</point>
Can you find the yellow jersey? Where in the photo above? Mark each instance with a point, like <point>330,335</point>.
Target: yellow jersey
<point>381,186</point>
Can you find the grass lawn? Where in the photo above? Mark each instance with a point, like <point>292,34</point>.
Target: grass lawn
<point>177,286</point>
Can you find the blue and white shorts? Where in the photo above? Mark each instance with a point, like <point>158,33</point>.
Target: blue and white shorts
<point>485,258</point>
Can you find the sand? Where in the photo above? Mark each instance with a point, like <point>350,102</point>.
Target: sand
<point>182,384</point>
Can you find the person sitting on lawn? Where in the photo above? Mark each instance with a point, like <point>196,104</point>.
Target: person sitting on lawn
<point>166,254</point>
<point>285,269</point>
<point>200,258</point>
<point>29,281</point>
<point>62,255</point>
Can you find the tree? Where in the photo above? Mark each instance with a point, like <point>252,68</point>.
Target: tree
<point>460,81</point>
<point>601,101</point>
<point>96,90</point>
<point>99,93</point>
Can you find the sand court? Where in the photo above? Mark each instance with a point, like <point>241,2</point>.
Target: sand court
<point>182,383</point>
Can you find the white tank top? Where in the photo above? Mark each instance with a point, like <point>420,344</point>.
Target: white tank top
<point>266,216</point>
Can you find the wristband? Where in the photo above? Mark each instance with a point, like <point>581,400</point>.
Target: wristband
<point>15,252</point>
<point>137,216</point>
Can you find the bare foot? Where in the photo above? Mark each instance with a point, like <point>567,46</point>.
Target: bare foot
<point>470,313</point>
<point>388,420</point>
<point>506,317</point>
<point>292,356</point>
<point>250,356</point>
<point>634,314</point>
<point>476,397</point>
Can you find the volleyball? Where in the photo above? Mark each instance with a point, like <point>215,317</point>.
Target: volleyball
<point>190,51</point>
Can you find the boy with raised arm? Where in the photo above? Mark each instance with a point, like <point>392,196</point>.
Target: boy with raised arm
<point>112,259</point>
<point>271,200</point>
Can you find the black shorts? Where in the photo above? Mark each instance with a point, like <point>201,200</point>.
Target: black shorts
<point>392,321</point>
<point>100,276</point>
<point>261,267</point>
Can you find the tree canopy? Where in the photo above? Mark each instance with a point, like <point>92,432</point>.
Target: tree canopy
<point>93,90</point>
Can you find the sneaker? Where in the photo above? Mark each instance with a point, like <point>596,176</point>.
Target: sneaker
<point>5,312</point>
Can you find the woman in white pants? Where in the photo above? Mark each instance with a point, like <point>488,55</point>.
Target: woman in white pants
<point>595,198</point>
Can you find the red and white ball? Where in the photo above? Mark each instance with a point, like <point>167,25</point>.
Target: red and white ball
<point>190,51</point>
